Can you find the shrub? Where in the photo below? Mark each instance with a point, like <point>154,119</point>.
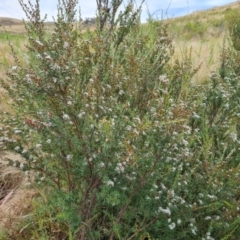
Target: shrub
<point>118,141</point>
<point>195,28</point>
<point>217,23</point>
<point>232,18</point>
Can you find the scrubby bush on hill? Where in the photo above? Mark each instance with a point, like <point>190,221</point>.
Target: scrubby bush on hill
<point>232,17</point>
<point>118,141</point>
<point>195,28</point>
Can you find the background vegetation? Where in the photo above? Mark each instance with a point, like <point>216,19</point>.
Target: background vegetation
<point>116,134</point>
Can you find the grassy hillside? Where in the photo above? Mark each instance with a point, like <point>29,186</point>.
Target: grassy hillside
<point>201,32</point>
<point>208,23</point>
<point>15,26</point>
<point>202,24</point>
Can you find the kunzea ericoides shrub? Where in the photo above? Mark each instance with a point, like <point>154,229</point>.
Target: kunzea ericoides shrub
<point>115,137</point>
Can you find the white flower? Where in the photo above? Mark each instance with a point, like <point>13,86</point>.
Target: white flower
<point>101,164</point>
<point>226,105</point>
<point>233,136</point>
<point>17,148</point>
<point>121,92</point>
<point>212,196</point>
<point>69,103</point>
<point>183,201</point>
<point>80,115</point>
<point>69,157</point>
<point>65,45</point>
<point>39,56</point>
<point>39,43</point>
<point>163,78</point>
<point>194,231</point>
<point>56,66</point>
<point>172,226</point>
<point>179,221</point>
<point>24,151</point>
<point>163,187</point>
<point>167,210</point>
<point>119,168</point>
<point>135,131</point>
<point>128,128</point>
<point>110,183</point>
<point>195,115</point>
<point>207,218</point>
<point>185,143</point>
<point>48,141</point>
<point>14,67</point>
<point>65,117</point>
<point>42,178</point>
<point>21,166</point>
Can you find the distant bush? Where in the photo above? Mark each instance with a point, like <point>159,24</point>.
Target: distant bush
<point>89,21</point>
<point>194,28</point>
<point>216,23</point>
<point>117,140</point>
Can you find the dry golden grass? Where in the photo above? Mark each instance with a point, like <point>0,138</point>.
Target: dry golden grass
<point>14,196</point>
<point>16,26</point>
<point>204,52</point>
<point>204,15</point>
<point>12,25</point>
<point>206,48</point>
<point>6,59</point>
<point>16,29</point>
<point>5,21</point>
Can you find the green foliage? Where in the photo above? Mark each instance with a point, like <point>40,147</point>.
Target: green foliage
<point>232,17</point>
<point>119,141</point>
<point>195,28</point>
<point>12,37</point>
<point>217,23</point>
